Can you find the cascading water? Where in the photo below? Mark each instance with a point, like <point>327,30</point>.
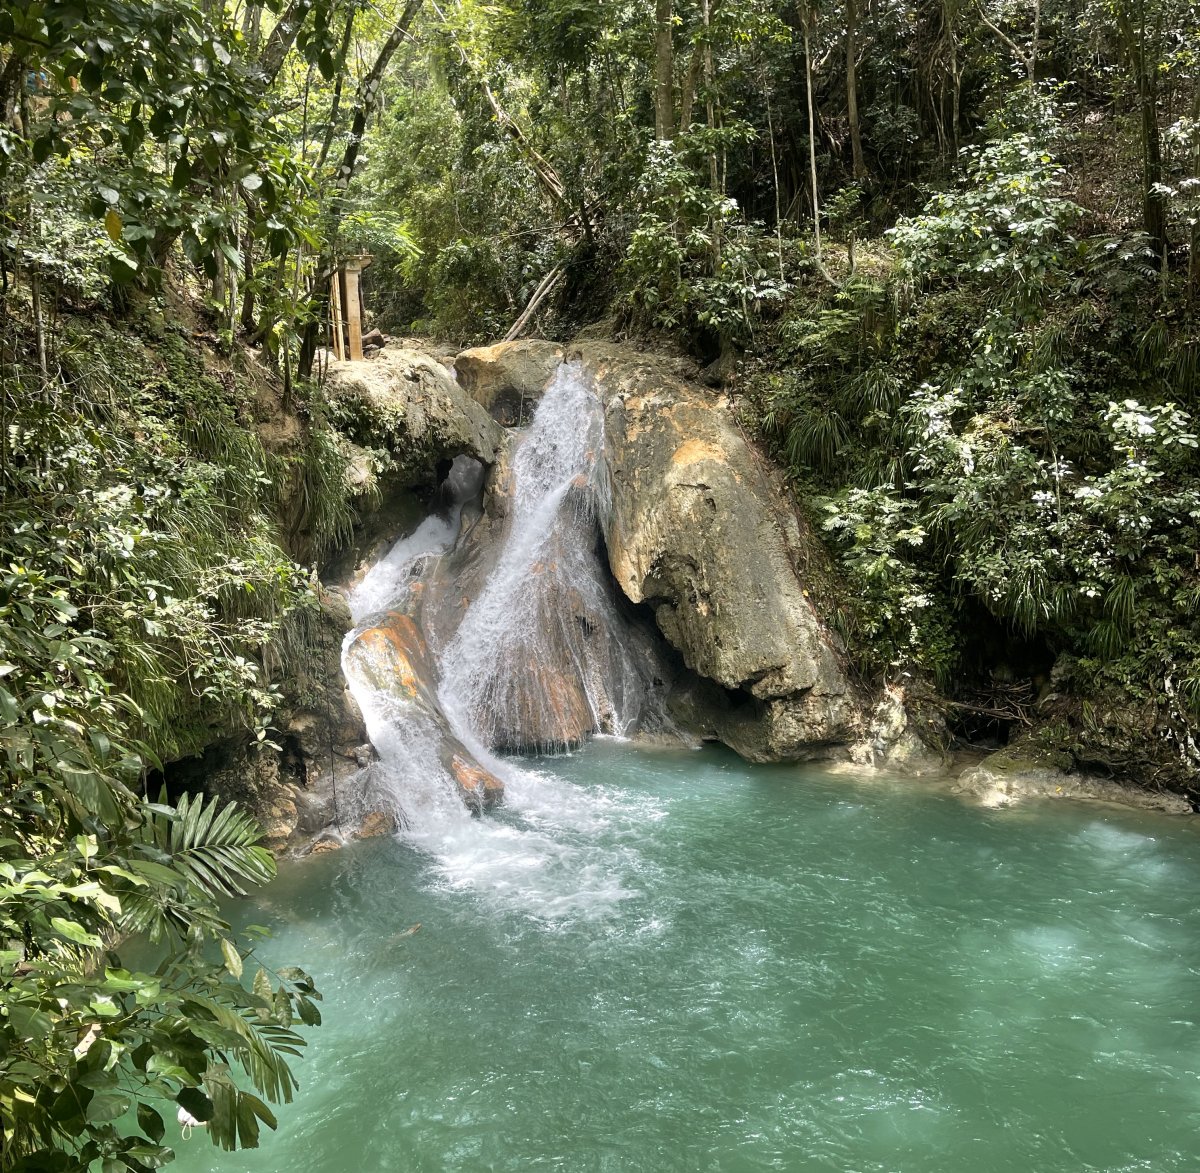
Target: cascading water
<point>540,658</point>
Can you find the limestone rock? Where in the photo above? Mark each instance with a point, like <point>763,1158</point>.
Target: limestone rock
<point>394,658</point>
<point>374,825</point>
<point>801,727</point>
<point>484,787</point>
<point>1001,780</point>
<point>408,404</point>
<point>893,742</point>
<point>508,378</point>
<point>699,529</point>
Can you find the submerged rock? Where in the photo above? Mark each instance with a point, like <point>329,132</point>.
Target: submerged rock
<point>699,530</point>
<point>508,379</point>
<point>374,825</point>
<point>1002,779</point>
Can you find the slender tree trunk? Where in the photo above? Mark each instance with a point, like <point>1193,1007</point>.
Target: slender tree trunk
<point>1145,71</point>
<point>664,66</point>
<point>950,12</point>
<point>687,93</point>
<point>252,25</point>
<point>709,101</point>
<point>336,104</point>
<point>365,105</point>
<point>775,175</point>
<point>1194,249</point>
<point>806,18</point>
<point>39,325</point>
<point>282,38</point>
<point>1153,201</point>
<point>1033,44</point>
<point>856,150</point>
<point>10,86</point>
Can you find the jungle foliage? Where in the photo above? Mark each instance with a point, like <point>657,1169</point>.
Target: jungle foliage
<point>955,244</point>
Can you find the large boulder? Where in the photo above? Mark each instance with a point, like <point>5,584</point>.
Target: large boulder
<point>409,405</point>
<point>700,530</point>
<point>508,378</point>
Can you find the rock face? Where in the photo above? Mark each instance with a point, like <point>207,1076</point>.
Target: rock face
<point>323,731</point>
<point>394,659</point>
<point>893,743</point>
<point>408,404</point>
<point>508,379</point>
<point>699,530</point>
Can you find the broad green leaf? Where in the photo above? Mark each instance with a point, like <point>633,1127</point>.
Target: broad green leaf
<point>75,932</point>
<point>107,1106</point>
<point>233,959</point>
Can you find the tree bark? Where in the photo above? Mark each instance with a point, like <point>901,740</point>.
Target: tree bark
<point>856,150</point>
<point>664,67</point>
<point>282,38</point>
<point>336,104</point>
<point>1154,205</point>
<point>806,17</point>
<point>1145,70</point>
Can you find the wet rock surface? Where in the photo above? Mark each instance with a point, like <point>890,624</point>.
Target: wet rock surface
<point>1002,779</point>
<point>393,658</point>
<point>699,530</point>
<point>508,379</point>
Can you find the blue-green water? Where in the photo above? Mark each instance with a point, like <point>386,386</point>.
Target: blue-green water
<point>670,961</point>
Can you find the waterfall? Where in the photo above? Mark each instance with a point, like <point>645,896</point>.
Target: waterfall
<point>491,631</point>
<point>539,660</point>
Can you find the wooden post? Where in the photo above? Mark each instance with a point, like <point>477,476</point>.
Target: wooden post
<point>335,311</point>
<point>350,272</point>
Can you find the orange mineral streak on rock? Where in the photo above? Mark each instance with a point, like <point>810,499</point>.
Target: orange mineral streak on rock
<point>477,784</point>
<point>552,709</point>
<point>694,451</point>
<point>397,651</point>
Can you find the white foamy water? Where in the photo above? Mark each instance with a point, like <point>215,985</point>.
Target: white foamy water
<point>387,583</point>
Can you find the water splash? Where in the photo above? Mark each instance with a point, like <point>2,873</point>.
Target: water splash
<point>388,583</point>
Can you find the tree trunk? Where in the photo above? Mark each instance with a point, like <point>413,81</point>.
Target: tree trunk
<point>336,104</point>
<point>11,78</point>
<point>664,67</point>
<point>687,94</point>
<point>709,104</point>
<point>282,38</point>
<point>859,166</point>
<point>806,17</point>
<point>1154,205</point>
<point>365,105</point>
<point>1145,70</point>
<point>252,25</point>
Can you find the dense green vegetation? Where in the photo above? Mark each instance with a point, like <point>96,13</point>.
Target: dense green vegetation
<point>945,253</point>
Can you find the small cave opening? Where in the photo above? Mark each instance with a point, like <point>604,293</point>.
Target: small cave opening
<point>227,768</point>
<point>1003,676</point>
<point>191,775</point>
